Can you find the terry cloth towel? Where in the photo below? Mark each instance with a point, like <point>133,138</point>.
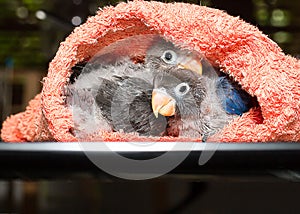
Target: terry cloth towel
<point>238,48</point>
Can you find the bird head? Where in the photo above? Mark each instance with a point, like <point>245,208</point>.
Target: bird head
<point>178,92</point>
<point>163,55</point>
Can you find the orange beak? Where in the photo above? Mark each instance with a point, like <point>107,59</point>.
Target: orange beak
<point>162,103</point>
<point>191,63</point>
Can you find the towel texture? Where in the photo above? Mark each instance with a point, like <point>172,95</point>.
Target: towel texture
<point>236,47</point>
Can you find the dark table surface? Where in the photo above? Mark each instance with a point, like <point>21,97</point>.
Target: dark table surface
<point>242,161</point>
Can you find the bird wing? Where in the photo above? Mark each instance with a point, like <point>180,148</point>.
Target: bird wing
<point>234,100</point>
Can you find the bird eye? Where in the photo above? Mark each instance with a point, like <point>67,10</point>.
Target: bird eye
<point>182,89</point>
<point>169,57</point>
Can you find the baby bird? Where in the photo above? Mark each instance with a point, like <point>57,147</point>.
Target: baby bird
<point>126,103</point>
<point>190,101</point>
<point>168,94</point>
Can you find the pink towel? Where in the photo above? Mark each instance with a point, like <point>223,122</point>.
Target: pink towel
<point>238,48</point>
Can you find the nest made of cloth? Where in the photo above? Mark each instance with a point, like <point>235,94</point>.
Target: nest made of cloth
<point>236,47</point>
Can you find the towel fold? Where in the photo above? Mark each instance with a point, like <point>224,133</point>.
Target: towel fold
<point>236,47</point>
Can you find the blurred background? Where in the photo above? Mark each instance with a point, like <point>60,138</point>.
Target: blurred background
<point>30,33</point>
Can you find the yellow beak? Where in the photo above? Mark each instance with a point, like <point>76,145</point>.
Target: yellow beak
<point>191,63</point>
<point>162,103</point>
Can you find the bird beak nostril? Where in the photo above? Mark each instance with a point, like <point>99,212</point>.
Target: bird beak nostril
<point>191,64</point>
<point>162,103</point>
